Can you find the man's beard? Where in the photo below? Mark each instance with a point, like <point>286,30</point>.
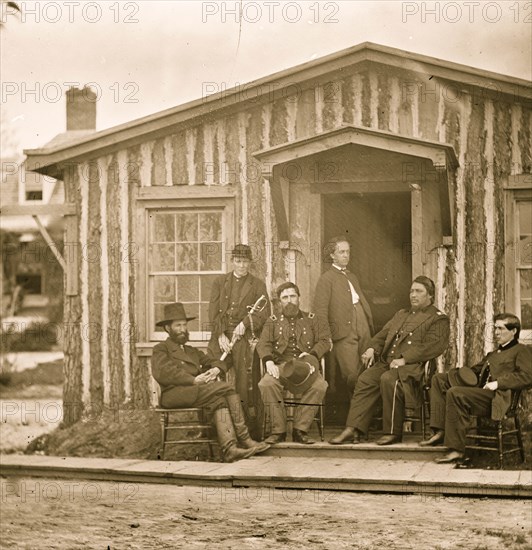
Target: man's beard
<point>290,310</point>
<point>180,338</point>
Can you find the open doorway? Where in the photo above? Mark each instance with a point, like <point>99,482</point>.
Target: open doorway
<point>378,226</point>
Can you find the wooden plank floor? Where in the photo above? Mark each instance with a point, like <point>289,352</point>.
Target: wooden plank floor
<point>338,474</point>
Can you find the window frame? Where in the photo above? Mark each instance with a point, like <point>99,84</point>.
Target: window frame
<point>518,189</point>
<point>174,199</point>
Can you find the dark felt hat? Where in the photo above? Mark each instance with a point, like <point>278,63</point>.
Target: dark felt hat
<point>242,251</point>
<point>462,377</point>
<point>174,312</point>
<point>296,375</point>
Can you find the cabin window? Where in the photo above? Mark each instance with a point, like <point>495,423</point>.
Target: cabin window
<point>185,253</point>
<point>519,257</point>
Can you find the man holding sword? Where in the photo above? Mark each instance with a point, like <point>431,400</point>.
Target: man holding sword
<point>238,309</point>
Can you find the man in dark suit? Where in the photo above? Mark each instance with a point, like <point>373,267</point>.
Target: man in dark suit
<point>340,302</point>
<point>295,334</point>
<point>507,368</point>
<point>410,338</point>
<point>188,378</point>
<point>234,330</point>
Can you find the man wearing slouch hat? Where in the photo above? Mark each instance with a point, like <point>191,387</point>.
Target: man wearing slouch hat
<point>188,378</point>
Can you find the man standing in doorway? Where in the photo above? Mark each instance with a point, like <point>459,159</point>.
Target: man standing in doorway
<point>340,302</point>
<point>234,329</point>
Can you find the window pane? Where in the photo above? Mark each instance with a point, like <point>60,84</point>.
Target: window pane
<point>162,257</point>
<point>193,311</point>
<point>204,318</point>
<point>525,250</point>
<point>187,227</point>
<point>164,288</point>
<point>188,288</point>
<point>525,284</point>
<point>187,257</point>
<point>206,286</point>
<point>163,228</point>
<point>211,257</point>
<point>525,217</point>
<point>525,232</point>
<point>158,315</point>
<point>211,226</point>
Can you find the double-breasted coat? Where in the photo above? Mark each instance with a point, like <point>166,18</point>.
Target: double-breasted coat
<point>253,288</point>
<point>312,335</point>
<point>416,337</point>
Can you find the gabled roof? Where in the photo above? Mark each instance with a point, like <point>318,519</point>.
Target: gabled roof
<point>45,159</point>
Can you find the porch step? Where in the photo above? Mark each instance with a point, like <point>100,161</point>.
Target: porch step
<point>409,450</point>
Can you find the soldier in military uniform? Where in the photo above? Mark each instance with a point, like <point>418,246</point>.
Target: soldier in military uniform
<point>233,326</point>
<point>409,339</point>
<point>295,334</point>
<point>452,403</point>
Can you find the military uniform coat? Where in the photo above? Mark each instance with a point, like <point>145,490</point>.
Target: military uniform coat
<point>512,369</point>
<point>312,336</point>
<point>252,289</point>
<point>423,337</point>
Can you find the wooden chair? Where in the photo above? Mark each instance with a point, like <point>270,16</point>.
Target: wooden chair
<point>291,401</point>
<point>184,427</point>
<point>429,369</point>
<point>498,436</point>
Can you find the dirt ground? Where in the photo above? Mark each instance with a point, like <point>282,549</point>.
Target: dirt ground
<point>45,514</point>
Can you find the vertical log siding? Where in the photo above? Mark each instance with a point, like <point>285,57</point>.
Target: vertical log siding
<point>492,138</point>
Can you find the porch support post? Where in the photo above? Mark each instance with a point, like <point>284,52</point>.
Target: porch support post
<point>416,250</point>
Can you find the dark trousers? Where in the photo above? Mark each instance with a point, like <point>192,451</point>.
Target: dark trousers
<point>451,408</point>
<point>366,397</point>
<point>241,359</point>
<point>211,396</point>
<point>347,351</point>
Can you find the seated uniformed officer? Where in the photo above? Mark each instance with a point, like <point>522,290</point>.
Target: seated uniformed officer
<point>410,338</point>
<point>294,335</point>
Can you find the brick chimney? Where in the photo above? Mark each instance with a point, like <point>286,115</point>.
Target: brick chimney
<point>81,109</point>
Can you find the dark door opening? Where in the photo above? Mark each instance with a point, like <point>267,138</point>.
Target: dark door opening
<point>378,226</point>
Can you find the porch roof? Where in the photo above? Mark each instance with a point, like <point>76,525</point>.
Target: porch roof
<point>442,156</point>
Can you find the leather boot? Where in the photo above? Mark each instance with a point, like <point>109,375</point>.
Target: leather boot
<point>241,429</point>
<point>227,437</point>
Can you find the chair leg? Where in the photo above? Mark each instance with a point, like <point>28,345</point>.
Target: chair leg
<point>517,422</point>
<point>164,423</point>
<point>320,423</point>
<point>500,443</point>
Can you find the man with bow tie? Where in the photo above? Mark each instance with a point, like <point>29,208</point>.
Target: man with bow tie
<point>452,402</point>
<point>396,357</point>
<point>339,301</point>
